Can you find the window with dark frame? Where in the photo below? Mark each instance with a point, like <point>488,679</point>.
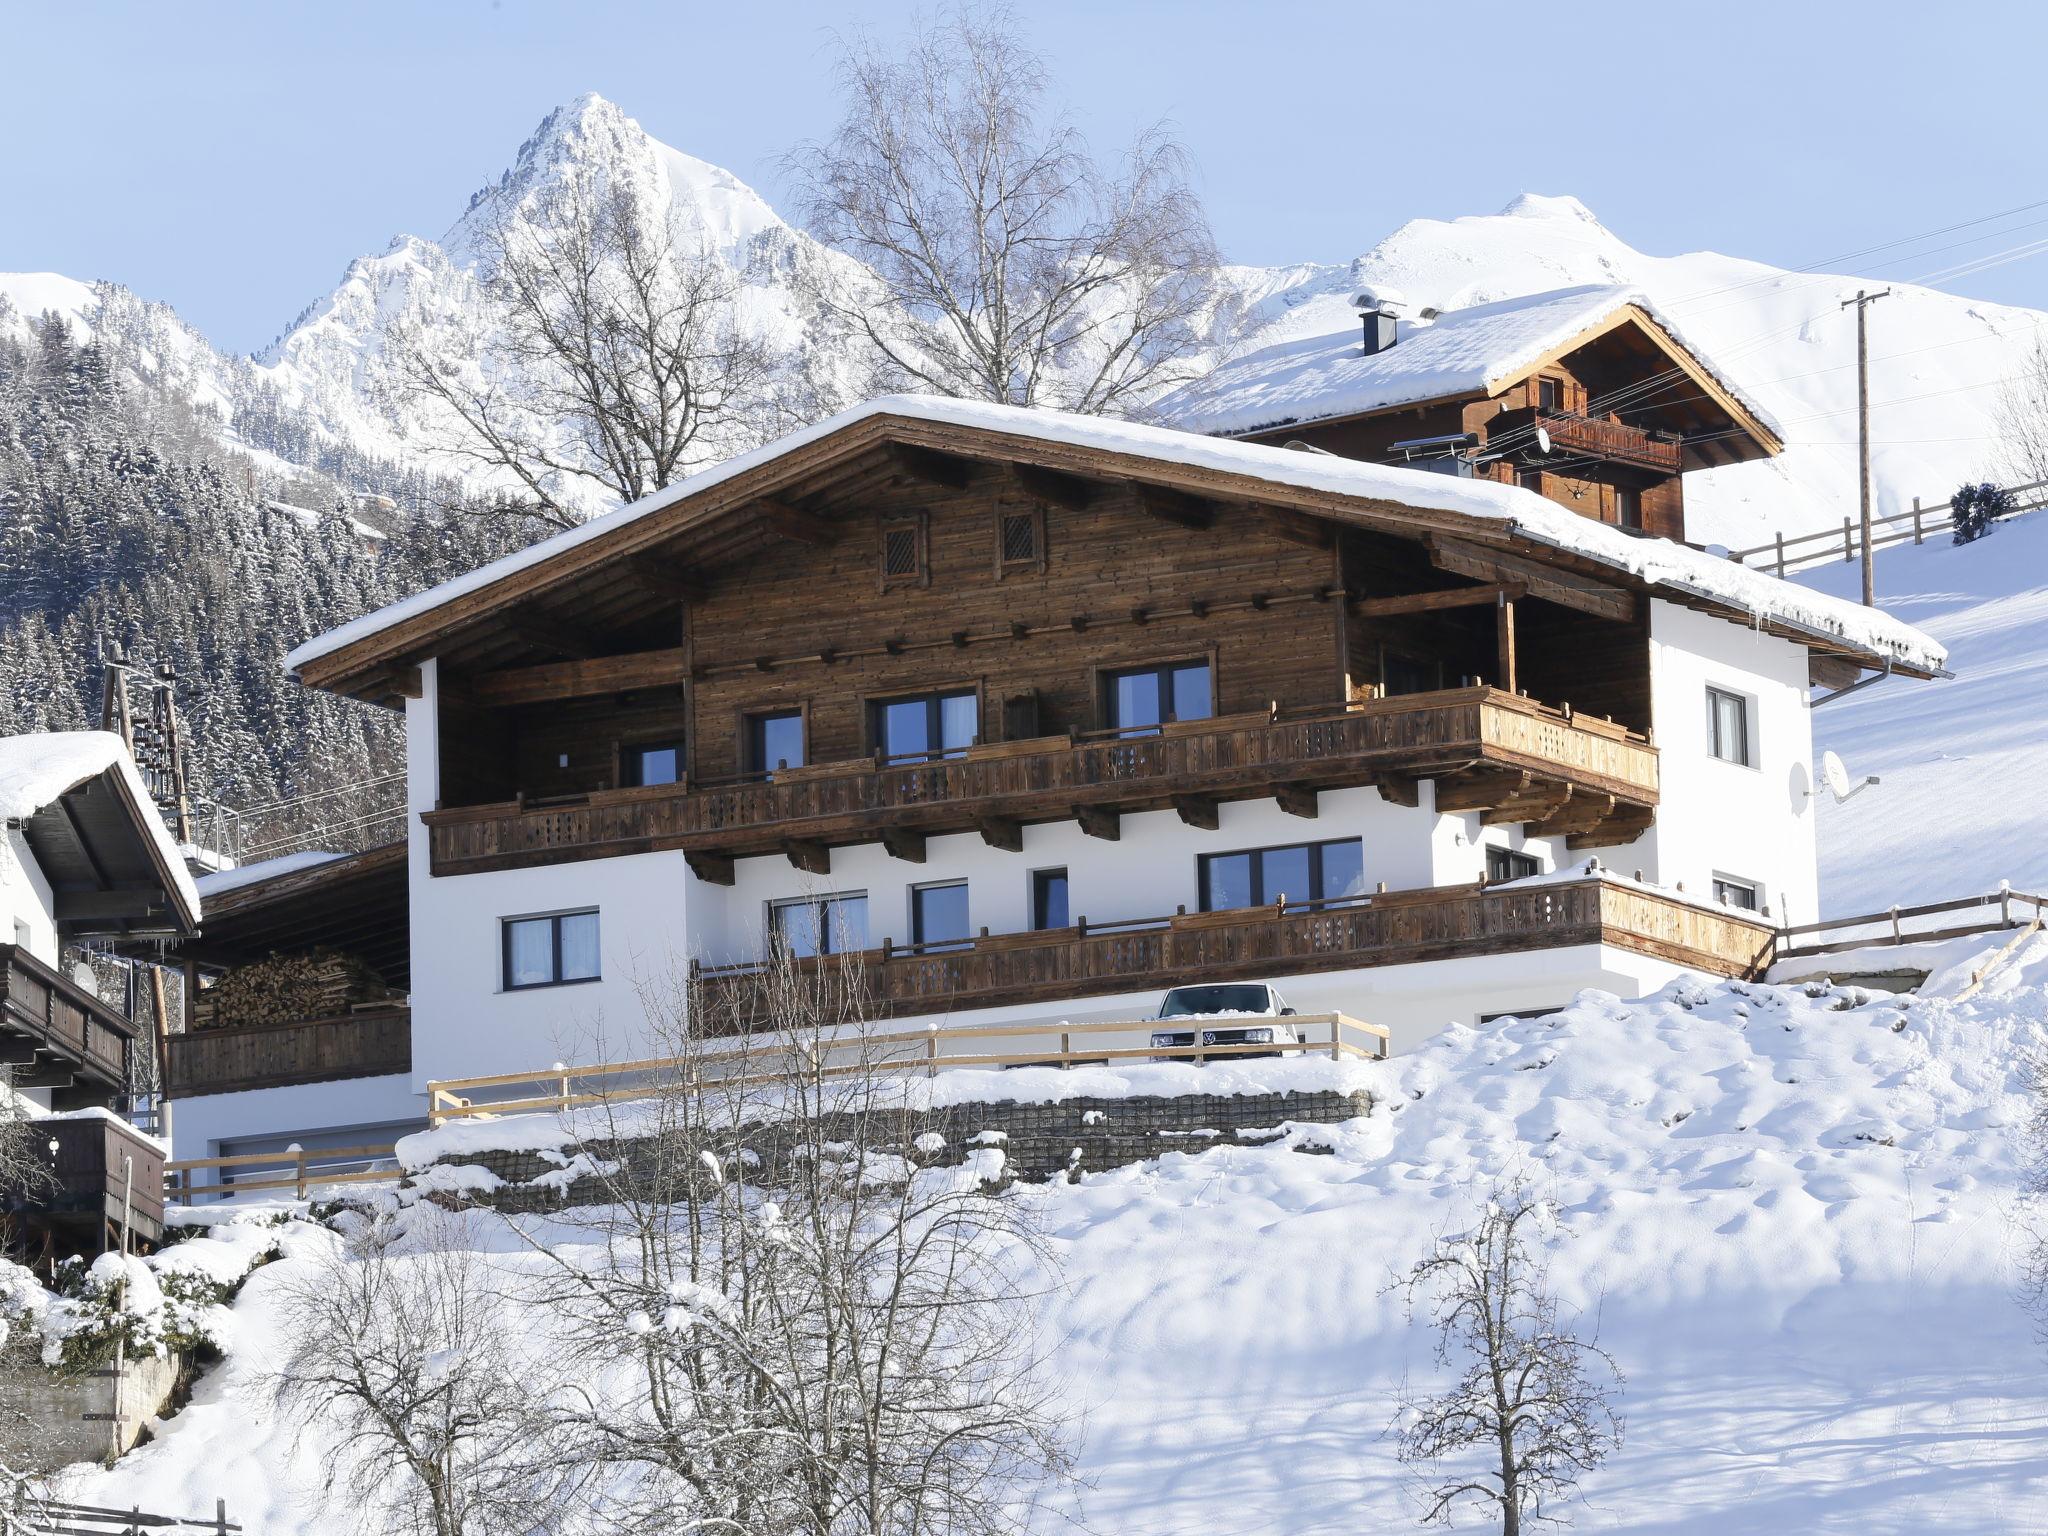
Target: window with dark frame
<point>820,925</point>
<point>938,915</point>
<point>775,740</point>
<point>925,727</point>
<point>1550,394</point>
<point>1728,733</point>
<point>1401,673</point>
<point>647,763</point>
<point>1302,872</point>
<point>1730,892</point>
<point>1049,908</point>
<point>1506,864</point>
<point>1139,700</point>
<point>1628,507</point>
<point>549,951</point>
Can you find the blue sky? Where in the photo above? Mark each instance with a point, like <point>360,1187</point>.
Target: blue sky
<point>231,158</point>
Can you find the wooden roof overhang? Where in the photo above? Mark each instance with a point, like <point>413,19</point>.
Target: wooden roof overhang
<point>107,869</point>
<point>638,571</point>
<point>358,904</point>
<point>1716,425</point>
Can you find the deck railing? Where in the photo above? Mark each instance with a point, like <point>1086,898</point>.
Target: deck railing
<point>1962,917</point>
<point>370,1042</point>
<point>297,1169</point>
<point>1594,437</point>
<point>1274,942</point>
<point>925,1051</point>
<point>62,1020</point>
<point>1048,778</point>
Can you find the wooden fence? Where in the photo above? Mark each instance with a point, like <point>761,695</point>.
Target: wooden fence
<point>51,1517</point>
<point>298,1170</point>
<point>1996,911</point>
<point>1335,1035</point>
<point>1804,551</point>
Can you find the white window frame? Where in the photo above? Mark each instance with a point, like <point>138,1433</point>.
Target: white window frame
<point>1754,887</point>
<point>819,899</point>
<point>554,919</point>
<point>1750,754</point>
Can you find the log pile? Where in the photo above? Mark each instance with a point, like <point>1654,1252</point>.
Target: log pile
<point>317,984</point>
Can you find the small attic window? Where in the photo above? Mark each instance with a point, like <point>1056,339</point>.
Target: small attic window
<point>1020,540</point>
<point>903,552</point>
<point>1550,394</point>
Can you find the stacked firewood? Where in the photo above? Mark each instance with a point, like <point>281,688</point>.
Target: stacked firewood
<point>316,984</point>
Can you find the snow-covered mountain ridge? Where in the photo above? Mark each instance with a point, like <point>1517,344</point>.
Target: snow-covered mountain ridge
<point>1781,335</point>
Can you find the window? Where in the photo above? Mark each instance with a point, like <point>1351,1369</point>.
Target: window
<point>1728,733</point>
<point>1506,864</point>
<point>549,951</point>
<point>925,726</point>
<point>938,915</point>
<point>1302,872</point>
<point>645,763</point>
<point>1138,700</point>
<point>903,552</point>
<point>1730,892</point>
<point>1628,507</point>
<point>1550,394</point>
<point>1049,899</point>
<point>820,925</point>
<point>775,741</point>
<point>1020,541</point>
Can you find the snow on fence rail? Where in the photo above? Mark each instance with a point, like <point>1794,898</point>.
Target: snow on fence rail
<point>61,1519</point>
<point>1891,924</point>
<point>906,1051</point>
<point>1804,551</point>
<point>295,1169</point>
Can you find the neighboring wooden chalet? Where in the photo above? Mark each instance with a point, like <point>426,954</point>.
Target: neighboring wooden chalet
<point>1583,395</point>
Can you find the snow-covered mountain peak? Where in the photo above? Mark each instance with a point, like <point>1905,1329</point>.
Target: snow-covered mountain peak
<point>1535,205</point>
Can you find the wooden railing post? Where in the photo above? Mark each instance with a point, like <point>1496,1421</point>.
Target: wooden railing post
<point>1916,519</point>
<point>1848,540</point>
<point>1895,924</point>
<point>1781,553</point>
<point>1066,1049</point>
<point>299,1160</point>
<point>1336,1037</point>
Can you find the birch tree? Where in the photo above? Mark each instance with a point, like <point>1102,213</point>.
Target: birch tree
<point>611,353</point>
<point>1012,266</point>
<point>1531,1408</point>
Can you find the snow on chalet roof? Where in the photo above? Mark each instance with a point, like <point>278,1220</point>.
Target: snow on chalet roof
<point>1510,509</point>
<point>36,770</point>
<point>1471,351</point>
<point>220,882</point>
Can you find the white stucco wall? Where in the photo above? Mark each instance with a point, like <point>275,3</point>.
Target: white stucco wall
<point>1717,818</point>
<point>199,1125</point>
<point>26,905</point>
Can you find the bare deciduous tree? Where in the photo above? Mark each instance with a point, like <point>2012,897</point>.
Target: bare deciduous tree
<point>1025,272</point>
<point>2023,420</point>
<point>801,1329</point>
<point>1531,1410</point>
<point>613,353</point>
<point>402,1357</point>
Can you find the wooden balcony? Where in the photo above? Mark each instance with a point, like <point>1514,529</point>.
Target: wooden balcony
<point>1270,943</point>
<point>1596,438</point>
<point>92,1163</point>
<point>372,1042</point>
<point>57,1035</point>
<point>1489,751</point>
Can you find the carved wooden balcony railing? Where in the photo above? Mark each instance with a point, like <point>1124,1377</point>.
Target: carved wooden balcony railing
<point>371,1042</point>
<point>1489,751</point>
<point>1594,437</point>
<point>1268,943</point>
<point>64,1037</point>
<point>100,1167</point>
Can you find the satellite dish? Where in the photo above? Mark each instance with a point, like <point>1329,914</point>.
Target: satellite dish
<point>82,977</point>
<point>1543,440</point>
<point>1836,777</point>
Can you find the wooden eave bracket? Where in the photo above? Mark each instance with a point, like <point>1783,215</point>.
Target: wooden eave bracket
<point>1001,832</point>
<point>929,466</point>
<point>811,858</point>
<point>786,520</point>
<point>1566,588</point>
<point>1198,811</point>
<point>711,868</point>
<point>904,843</point>
<point>1296,800</point>
<point>1099,821</point>
<point>1048,485</point>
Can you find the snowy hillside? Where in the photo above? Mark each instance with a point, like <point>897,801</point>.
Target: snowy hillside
<point>1791,1216</point>
<point>1937,359</point>
<point>1962,761</point>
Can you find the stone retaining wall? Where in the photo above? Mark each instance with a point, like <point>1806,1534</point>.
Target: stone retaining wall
<point>1040,1140</point>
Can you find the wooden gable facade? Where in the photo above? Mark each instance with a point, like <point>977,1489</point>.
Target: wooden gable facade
<point>1624,408</point>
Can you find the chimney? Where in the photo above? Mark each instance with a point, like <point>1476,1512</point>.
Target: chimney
<point>1377,311</point>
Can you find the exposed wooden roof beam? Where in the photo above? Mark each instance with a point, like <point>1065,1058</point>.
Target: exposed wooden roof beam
<point>1001,832</point>
<point>789,521</point>
<point>711,868</point>
<point>1172,506</point>
<point>1069,491</point>
<point>1100,821</point>
<point>1424,602</point>
<point>1298,527</point>
<point>1296,800</point>
<point>580,679</point>
<point>547,634</point>
<point>70,819</point>
<point>653,574</point>
<point>1550,583</point>
<point>930,466</point>
<point>1198,811</point>
<point>904,843</point>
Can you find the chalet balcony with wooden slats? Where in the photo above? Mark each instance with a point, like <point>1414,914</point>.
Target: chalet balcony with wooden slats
<point>1593,437</point>
<point>1270,943</point>
<point>1489,751</point>
<point>55,1034</point>
<point>370,1042</point>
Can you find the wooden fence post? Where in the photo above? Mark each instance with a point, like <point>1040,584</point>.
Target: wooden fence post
<point>1916,520</point>
<point>299,1158</point>
<point>1848,540</point>
<point>1066,1049</point>
<point>931,1054</point>
<point>1895,924</point>
<point>1781,554</point>
<point>1336,1037</point>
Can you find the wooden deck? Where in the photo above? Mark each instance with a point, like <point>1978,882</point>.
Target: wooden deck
<point>1490,751</point>
<point>1593,437</point>
<point>57,1035</point>
<point>1261,943</point>
<point>368,1043</point>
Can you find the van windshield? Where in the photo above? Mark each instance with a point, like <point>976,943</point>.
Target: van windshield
<point>1239,997</point>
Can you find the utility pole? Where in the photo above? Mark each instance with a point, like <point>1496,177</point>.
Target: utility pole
<point>1862,301</point>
